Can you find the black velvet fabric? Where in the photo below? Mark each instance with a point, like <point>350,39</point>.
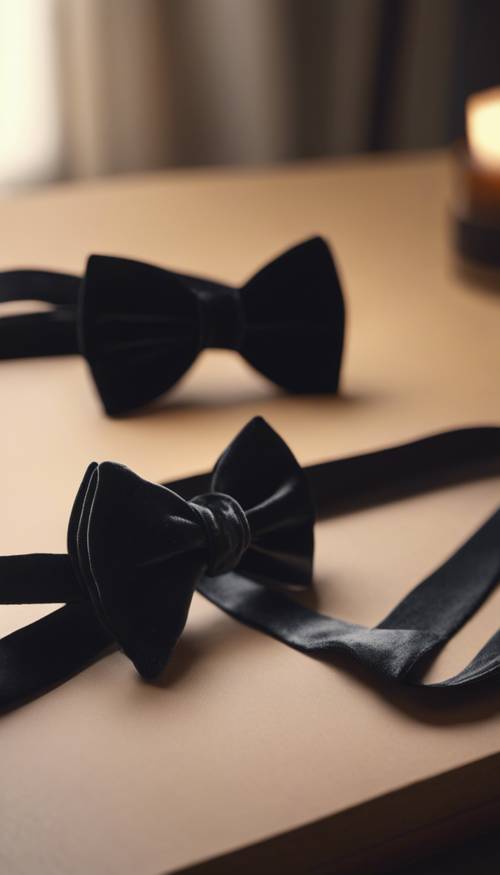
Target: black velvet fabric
<point>141,327</point>
<point>241,536</point>
<point>127,537</point>
<point>52,332</point>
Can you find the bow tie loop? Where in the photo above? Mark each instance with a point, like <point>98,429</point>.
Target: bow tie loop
<point>227,531</point>
<point>139,550</point>
<point>222,321</point>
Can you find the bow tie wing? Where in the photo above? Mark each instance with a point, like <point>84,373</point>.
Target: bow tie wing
<point>295,317</point>
<point>138,329</point>
<point>139,552</point>
<point>262,474</point>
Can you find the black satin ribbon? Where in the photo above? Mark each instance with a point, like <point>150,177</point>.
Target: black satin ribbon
<point>52,649</point>
<point>50,332</point>
<point>141,327</point>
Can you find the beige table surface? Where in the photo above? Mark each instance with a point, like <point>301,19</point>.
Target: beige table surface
<point>244,738</point>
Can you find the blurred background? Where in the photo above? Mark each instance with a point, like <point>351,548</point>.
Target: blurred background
<point>90,87</point>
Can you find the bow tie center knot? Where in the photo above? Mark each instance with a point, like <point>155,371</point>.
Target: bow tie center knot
<point>221,319</point>
<point>227,530</point>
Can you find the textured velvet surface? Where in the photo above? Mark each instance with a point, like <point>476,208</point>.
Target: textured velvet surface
<point>137,550</point>
<point>242,535</point>
<point>141,327</point>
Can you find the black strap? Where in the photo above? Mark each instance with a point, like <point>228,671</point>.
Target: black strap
<point>48,652</point>
<point>422,622</point>
<point>55,647</point>
<point>38,578</point>
<point>51,332</point>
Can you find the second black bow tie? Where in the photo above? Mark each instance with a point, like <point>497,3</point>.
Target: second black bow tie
<point>137,550</point>
<point>241,536</point>
<point>141,327</point>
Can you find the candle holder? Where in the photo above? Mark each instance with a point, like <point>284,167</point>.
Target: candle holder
<point>477,218</point>
<point>477,215</point>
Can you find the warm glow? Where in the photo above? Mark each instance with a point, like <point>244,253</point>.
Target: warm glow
<point>483,127</point>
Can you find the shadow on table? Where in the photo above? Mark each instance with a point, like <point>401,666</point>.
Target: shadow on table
<point>210,400</point>
<point>478,278</point>
<point>200,649</point>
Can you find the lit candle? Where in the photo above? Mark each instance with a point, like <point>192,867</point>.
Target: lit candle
<point>478,223</point>
<point>483,128</point>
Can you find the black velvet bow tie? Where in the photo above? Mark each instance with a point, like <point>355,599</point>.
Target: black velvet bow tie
<point>141,327</point>
<point>139,550</point>
<point>241,536</point>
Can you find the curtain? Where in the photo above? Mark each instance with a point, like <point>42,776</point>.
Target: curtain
<point>30,122</point>
<point>126,85</point>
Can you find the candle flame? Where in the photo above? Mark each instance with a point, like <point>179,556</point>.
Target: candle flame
<point>483,127</point>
